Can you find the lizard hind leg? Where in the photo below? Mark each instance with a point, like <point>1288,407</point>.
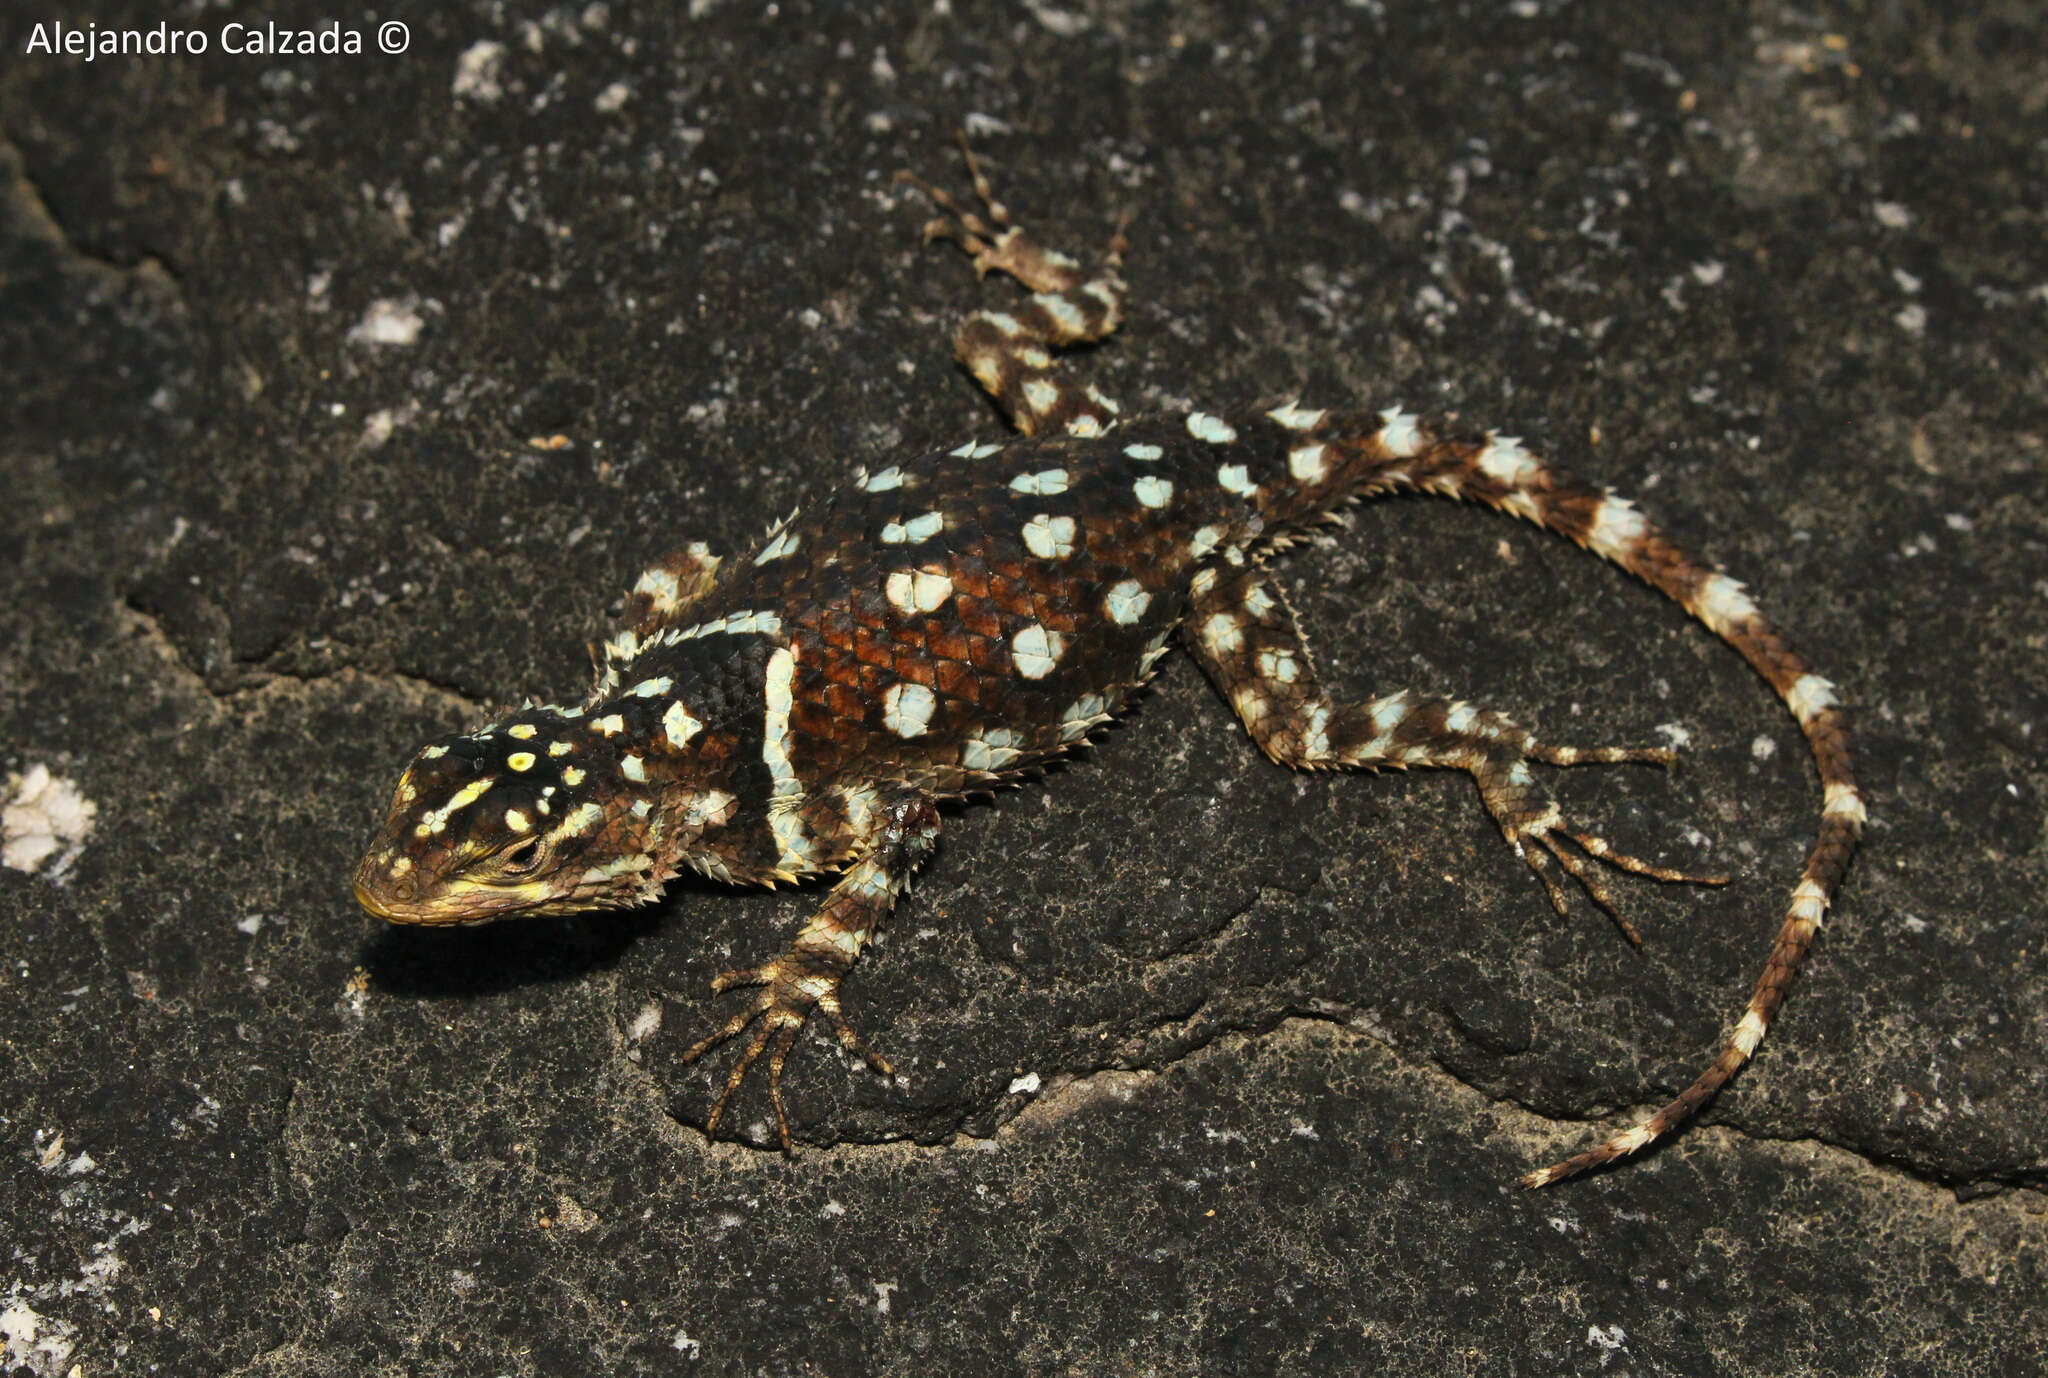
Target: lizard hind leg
<point>806,977</point>
<point>1010,352</point>
<point>1245,638</point>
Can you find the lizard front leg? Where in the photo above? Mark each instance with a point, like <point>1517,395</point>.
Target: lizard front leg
<point>806,977</point>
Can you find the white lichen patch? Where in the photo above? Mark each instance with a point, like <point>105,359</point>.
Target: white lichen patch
<point>45,817</point>
<point>478,71</point>
<point>388,321</point>
<point>32,1342</point>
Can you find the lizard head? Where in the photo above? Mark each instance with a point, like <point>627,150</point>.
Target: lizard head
<point>533,815</point>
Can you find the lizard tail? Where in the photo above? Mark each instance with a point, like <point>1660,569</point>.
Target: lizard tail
<point>1401,453</point>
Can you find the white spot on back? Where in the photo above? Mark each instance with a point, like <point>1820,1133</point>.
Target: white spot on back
<point>1308,463</point>
<point>633,769</point>
<point>1126,602</point>
<point>651,688</point>
<point>1295,419</point>
<point>1213,429</point>
<point>1143,452</point>
<point>1399,433</point>
<point>1236,478</point>
<point>1083,714</point>
<point>1050,538</point>
<point>1258,602</point>
<point>916,529</point>
<point>917,590</point>
<point>777,695</point>
<point>1036,651</point>
<point>1040,395</point>
<point>992,750</point>
<point>1044,483</point>
<point>888,480</point>
<point>785,543</point>
<point>734,624</point>
<point>907,709</point>
<point>1152,491</point>
<point>1087,427</point>
<point>1204,541</point>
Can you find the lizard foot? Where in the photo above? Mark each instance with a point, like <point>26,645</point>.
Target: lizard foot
<point>1527,815</point>
<point>789,996</point>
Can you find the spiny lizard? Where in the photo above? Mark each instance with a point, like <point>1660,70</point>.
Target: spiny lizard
<point>950,622</point>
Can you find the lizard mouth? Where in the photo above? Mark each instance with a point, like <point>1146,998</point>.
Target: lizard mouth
<point>401,900</point>
<point>379,904</point>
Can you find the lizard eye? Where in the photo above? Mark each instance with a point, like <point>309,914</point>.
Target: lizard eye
<point>521,857</point>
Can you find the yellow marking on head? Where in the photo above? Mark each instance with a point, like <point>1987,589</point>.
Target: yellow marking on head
<point>522,731</point>
<point>583,820</point>
<point>610,726</point>
<point>559,748</point>
<point>520,760</point>
<point>517,821</point>
<point>572,777</point>
<point>468,795</point>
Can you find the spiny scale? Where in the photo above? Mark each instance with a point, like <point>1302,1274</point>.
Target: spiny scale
<point>951,621</point>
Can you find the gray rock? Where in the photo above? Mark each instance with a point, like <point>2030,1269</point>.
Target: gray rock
<point>342,404</point>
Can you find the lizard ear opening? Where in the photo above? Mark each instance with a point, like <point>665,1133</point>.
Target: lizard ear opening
<point>521,858</point>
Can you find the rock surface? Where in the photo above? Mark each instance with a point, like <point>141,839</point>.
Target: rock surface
<point>346,394</point>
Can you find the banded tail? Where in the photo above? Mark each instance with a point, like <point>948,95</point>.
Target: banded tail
<point>1402,453</point>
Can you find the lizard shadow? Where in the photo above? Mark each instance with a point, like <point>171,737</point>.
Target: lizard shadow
<point>491,958</point>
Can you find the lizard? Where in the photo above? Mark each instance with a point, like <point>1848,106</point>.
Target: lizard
<point>950,622</point>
